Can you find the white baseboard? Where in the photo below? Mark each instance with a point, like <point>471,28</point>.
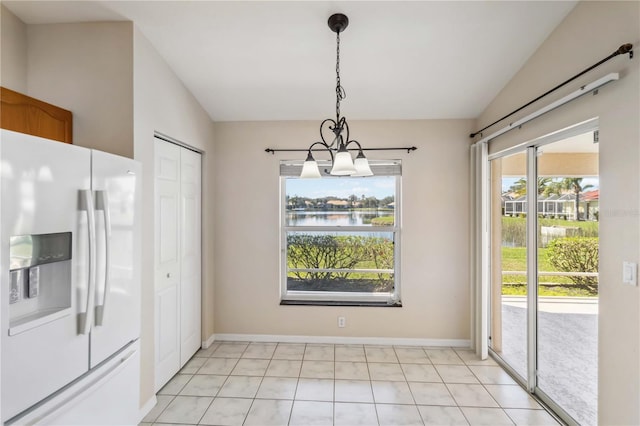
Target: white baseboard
<point>397,341</point>
<point>146,408</point>
<point>209,341</point>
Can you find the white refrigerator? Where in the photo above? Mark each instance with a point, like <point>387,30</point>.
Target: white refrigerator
<point>69,267</point>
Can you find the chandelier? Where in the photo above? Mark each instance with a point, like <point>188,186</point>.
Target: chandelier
<point>341,162</point>
<point>337,131</point>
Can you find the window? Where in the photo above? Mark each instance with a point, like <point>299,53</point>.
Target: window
<point>340,236</point>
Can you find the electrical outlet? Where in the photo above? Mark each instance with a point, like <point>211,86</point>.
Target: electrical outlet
<point>342,322</point>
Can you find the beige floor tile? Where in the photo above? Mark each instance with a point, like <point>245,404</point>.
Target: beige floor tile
<point>193,365</point>
<point>260,350</point>
<point>442,416</point>
<point>412,355</point>
<point>203,385</point>
<point>240,383</point>
<point>431,394</point>
<point>317,369</point>
<point>386,371</point>
<point>269,412</point>
<point>315,389</point>
<point>380,354</point>
<point>491,375</point>
<point>290,351</point>
<point>396,415</point>
<point>250,367</point>
<point>456,374</point>
<point>319,353</point>
<point>486,416</point>
<point>284,368</point>
<point>353,353</point>
<point>444,356</point>
<point>421,373</point>
<point>512,396</point>
<point>240,387</point>
<point>351,370</point>
<point>175,385</point>
<point>392,393</point>
<point>471,395</point>
<point>350,414</point>
<point>353,391</point>
<point>185,409</point>
<point>220,366</point>
<point>530,417</point>
<point>230,350</point>
<point>311,413</point>
<point>227,412</point>
<point>277,388</point>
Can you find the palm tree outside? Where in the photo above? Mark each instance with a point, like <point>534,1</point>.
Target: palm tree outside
<point>574,185</point>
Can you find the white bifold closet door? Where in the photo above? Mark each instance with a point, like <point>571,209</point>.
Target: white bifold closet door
<point>177,258</point>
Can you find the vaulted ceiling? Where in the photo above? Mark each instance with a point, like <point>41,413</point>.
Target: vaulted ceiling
<point>275,60</point>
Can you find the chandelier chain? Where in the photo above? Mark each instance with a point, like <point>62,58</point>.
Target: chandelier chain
<point>340,92</point>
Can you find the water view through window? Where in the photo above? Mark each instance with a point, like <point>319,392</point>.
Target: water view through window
<point>339,236</point>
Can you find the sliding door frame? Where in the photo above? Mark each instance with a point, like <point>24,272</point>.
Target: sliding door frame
<point>532,268</point>
<point>531,150</point>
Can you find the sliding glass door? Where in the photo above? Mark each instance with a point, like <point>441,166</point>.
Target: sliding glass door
<point>508,336</point>
<point>544,208</point>
<point>567,275</point>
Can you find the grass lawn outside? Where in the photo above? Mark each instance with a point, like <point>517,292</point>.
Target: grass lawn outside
<point>515,259</point>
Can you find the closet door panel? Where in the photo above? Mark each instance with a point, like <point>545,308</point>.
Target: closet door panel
<point>167,261</point>
<point>190,260</point>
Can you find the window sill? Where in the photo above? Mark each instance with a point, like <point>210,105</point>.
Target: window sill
<point>338,303</point>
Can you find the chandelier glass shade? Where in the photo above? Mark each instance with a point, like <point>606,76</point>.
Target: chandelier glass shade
<point>342,164</point>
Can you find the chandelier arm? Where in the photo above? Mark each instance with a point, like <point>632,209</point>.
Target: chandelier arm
<point>356,142</point>
<point>325,145</point>
<point>332,128</point>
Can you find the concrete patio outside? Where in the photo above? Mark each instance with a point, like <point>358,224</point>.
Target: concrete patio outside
<point>567,350</point>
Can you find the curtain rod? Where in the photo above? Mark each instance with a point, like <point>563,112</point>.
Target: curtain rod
<point>408,148</point>
<point>622,50</point>
<point>587,88</point>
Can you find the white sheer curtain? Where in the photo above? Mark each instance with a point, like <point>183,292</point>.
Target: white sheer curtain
<point>480,249</point>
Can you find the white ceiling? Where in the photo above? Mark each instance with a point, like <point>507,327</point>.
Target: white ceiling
<point>268,60</point>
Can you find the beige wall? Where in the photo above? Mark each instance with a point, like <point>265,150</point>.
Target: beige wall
<point>86,68</point>
<point>435,233</point>
<point>13,52</point>
<point>590,32</point>
<point>162,103</point>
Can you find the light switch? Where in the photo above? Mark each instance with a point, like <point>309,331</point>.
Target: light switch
<point>630,273</point>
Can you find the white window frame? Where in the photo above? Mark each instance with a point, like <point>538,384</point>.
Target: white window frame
<point>337,298</point>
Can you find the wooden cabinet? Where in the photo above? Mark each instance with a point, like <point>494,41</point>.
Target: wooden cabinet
<point>25,114</point>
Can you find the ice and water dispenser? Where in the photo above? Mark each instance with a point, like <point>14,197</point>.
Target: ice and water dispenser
<point>40,280</point>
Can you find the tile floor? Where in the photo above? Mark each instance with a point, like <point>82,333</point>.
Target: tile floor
<point>233,383</point>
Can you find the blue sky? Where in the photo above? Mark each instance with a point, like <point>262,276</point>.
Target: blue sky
<point>374,186</point>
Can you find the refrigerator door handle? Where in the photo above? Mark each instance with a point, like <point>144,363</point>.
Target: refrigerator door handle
<point>102,204</point>
<point>86,204</point>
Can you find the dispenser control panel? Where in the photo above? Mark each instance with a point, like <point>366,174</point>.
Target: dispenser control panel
<point>27,253</point>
